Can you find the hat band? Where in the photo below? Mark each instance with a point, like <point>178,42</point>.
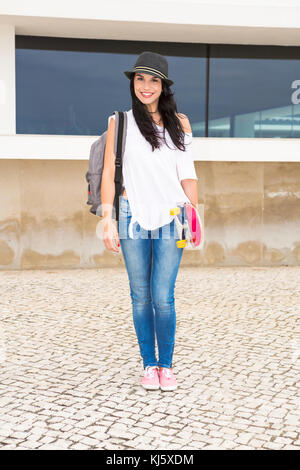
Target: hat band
<point>140,67</point>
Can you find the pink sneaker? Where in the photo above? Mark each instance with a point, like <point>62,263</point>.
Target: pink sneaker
<point>150,381</point>
<point>167,379</point>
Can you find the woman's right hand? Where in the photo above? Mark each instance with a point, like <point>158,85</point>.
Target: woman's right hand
<point>110,235</point>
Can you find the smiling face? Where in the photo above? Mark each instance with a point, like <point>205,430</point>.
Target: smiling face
<point>147,88</point>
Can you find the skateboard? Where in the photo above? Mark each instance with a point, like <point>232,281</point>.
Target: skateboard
<point>190,232</point>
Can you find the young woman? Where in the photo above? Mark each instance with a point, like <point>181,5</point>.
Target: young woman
<point>158,173</point>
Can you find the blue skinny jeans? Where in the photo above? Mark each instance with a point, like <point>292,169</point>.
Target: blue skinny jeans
<point>152,262</point>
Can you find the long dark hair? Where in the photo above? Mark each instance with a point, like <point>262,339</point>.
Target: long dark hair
<point>167,108</point>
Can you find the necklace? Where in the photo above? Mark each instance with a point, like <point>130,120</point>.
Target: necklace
<point>153,112</point>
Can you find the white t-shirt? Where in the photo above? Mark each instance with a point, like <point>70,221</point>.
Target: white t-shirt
<point>152,178</point>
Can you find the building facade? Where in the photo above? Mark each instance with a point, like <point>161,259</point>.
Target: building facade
<point>236,72</point>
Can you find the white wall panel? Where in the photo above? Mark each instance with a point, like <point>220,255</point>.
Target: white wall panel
<point>7,80</point>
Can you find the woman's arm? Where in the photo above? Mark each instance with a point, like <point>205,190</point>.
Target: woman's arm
<point>108,175</point>
<point>110,233</point>
<point>190,186</point>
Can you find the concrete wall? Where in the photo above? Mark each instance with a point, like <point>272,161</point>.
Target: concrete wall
<point>214,21</point>
<point>7,80</point>
<point>251,215</point>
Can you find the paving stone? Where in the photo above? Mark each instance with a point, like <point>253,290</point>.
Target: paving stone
<point>69,389</point>
<point>273,445</point>
<point>291,447</point>
<point>257,443</point>
<point>28,444</point>
<point>89,441</point>
<point>79,447</point>
<point>283,440</point>
<point>244,437</point>
<point>47,440</point>
<point>244,447</point>
<point>227,444</point>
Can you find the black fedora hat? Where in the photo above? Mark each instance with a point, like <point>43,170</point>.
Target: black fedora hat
<point>153,64</point>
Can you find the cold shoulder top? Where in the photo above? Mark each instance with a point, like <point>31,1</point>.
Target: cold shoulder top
<point>152,179</point>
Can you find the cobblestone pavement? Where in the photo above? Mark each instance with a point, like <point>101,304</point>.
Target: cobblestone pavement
<point>70,368</point>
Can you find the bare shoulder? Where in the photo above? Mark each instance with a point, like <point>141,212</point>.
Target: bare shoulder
<point>184,122</point>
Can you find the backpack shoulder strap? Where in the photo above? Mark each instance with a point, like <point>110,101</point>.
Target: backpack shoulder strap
<point>120,139</point>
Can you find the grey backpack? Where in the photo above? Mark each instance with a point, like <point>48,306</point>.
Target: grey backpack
<point>96,164</point>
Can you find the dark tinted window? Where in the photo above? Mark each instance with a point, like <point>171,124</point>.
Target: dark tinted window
<point>66,86</point>
<point>254,91</point>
